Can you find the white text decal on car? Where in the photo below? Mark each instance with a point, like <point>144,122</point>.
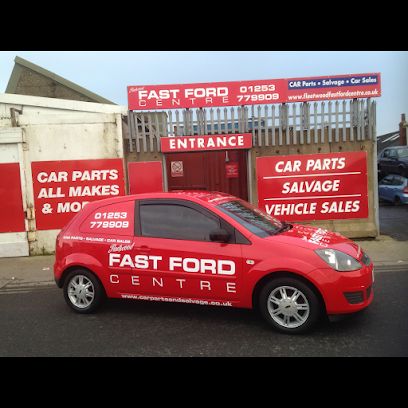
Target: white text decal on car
<point>175,263</point>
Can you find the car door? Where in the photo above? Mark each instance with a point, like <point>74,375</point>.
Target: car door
<point>384,188</point>
<point>393,161</point>
<point>178,261</point>
<point>385,162</point>
<point>396,188</point>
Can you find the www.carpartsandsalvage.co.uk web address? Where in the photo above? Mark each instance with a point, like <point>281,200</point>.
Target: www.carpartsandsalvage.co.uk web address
<point>176,300</point>
<point>333,95</point>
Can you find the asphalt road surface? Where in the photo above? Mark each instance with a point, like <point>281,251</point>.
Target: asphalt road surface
<point>37,322</point>
<point>394,221</point>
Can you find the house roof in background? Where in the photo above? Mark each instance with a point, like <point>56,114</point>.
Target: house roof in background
<point>21,63</point>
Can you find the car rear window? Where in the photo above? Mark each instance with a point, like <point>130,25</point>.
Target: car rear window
<point>402,152</point>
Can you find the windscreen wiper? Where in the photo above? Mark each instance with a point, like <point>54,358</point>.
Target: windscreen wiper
<point>285,227</point>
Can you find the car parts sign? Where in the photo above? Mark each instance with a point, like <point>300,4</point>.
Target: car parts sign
<point>313,186</point>
<point>62,188</point>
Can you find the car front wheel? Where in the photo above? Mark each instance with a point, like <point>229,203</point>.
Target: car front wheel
<point>82,291</point>
<point>289,305</point>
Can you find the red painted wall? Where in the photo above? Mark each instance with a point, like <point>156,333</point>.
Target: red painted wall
<point>145,177</point>
<point>11,214</point>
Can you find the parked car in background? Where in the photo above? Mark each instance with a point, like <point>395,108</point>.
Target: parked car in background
<point>394,188</point>
<point>393,160</point>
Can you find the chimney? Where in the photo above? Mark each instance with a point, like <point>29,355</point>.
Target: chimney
<point>403,130</point>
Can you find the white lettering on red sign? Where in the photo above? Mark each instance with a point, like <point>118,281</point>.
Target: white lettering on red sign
<point>314,187</point>
<point>211,142</point>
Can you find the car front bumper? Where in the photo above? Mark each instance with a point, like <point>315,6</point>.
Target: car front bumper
<point>345,292</point>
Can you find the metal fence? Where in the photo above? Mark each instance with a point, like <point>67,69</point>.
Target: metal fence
<point>270,125</point>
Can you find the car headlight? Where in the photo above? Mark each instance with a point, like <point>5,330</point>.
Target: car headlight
<point>338,260</point>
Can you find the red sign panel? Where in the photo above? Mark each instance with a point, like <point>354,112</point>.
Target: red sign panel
<point>238,93</point>
<point>333,87</point>
<point>145,177</point>
<point>62,188</point>
<point>203,143</point>
<point>313,186</point>
<point>231,170</point>
<point>12,213</point>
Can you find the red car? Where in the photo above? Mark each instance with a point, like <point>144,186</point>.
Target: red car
<point>209,248</point>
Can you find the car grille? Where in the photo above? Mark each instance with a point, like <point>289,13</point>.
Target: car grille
<point>365,259</point>
<point>354,297</point>
<point>368,292</point>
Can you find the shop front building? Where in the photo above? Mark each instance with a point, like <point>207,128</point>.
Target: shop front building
<point>302,149</point>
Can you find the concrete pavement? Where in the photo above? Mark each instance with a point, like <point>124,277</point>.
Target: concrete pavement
<point>23,273</point>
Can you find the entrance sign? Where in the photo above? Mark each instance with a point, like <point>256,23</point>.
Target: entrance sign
<point>208,142</point>
<point>62,188</point>
<point>238,93</point>
<point>313,186</point>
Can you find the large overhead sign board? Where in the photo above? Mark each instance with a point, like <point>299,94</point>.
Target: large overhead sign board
<point>238,93</point>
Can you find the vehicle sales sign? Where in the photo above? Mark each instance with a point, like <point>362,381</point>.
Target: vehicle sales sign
<point>238,93</point>
<point>313,186</point>
<point>62,188</point>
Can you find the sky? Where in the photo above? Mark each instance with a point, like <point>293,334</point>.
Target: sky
<point>108,73</point>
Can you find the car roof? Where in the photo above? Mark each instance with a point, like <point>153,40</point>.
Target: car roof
<point>210,197</point>
<point>394,175</point>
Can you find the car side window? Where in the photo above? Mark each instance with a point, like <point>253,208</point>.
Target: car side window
<point>387,180</point>
<point>175,221</point>
<point>397,181</point>
<point>386,153</point>
<point>393,153</point>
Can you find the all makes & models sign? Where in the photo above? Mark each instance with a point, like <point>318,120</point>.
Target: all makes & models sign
<point>62,188</point>
<point>313,186</point>
<point>267,91</point>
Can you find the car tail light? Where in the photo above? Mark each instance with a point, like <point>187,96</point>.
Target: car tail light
<point>405,190</point>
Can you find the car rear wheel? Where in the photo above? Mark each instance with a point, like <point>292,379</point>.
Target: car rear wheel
<point>289,305</point>
<point>82,291</point>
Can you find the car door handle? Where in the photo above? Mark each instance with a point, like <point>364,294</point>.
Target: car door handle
<point>144,248</point>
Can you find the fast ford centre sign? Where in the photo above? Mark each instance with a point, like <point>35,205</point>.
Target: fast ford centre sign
<point>313,186</point>
<point>238,93</point>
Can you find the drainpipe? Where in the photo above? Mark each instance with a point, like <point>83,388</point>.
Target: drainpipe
<point>403,130</point>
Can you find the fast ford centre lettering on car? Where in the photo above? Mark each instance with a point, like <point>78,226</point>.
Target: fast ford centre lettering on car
<point>240,93</point>
<point>174,263</point>
<point>314,186</point>
<point>213,248</point>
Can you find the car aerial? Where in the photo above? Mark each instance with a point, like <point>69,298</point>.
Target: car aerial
<point>393,160</point>
<point>209,248</point>
<point>393,188</point>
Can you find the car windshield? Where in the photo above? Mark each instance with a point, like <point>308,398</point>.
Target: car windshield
<point>402,152</point>
<point>253,219</point>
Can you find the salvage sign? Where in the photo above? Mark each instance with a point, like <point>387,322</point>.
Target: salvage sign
<point>62,188</point>
<point>313,186</point>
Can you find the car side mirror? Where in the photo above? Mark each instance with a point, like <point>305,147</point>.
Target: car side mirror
<point>220,235</point>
